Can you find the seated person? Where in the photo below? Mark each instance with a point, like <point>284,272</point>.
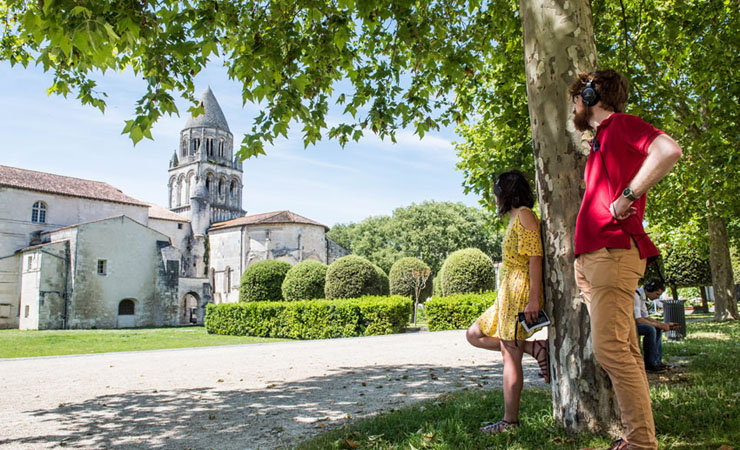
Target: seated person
<point>651,329</point>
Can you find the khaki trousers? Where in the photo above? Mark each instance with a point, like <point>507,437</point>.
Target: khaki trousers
<point>608,279</point>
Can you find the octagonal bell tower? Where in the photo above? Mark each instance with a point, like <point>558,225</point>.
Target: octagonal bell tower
<point>205,159</point>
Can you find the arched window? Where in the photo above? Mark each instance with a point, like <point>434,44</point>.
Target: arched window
<point>209,147</point>
<point>232,189</point>
<point>126,307</point>
<point>38,212</point>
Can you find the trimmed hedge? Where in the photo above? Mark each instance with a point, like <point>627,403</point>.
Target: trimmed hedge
<point>263,280</point>
<point>305,281</point>
<point>467,271</point>
<point>456,311</point>
<point>310,319</point>
<point>402,278</point>
<point>353,277</point>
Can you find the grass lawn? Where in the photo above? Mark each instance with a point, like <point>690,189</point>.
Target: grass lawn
<point>696,407</point>
<point>17,343</point>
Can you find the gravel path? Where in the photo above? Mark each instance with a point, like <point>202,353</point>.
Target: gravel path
<point>259,396</point>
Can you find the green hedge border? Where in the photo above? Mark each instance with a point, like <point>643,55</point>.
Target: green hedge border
<point>458,311</point>
<point>310,319</point>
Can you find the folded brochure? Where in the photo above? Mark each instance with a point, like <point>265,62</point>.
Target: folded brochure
<point>542,321</point>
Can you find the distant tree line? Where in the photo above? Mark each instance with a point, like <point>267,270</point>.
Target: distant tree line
<point>429,231</point>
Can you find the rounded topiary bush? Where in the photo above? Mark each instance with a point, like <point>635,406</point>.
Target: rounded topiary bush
<point>402,275</point>
<point>305,281</point>
<point>351,277</point>
<point>467,271</point>
<point>437,285</point>
<point>381,281</point>
<point>263,281</point>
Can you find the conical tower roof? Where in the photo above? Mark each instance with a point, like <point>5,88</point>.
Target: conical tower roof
<point>212,116</point>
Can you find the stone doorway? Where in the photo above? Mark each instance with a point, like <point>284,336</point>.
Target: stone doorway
<point>189,309</point>
<point>127,313</point>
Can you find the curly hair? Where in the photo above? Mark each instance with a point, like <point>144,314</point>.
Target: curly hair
<point>513,191</point>
<point>612,87</point>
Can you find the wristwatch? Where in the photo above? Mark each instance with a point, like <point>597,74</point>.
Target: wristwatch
<point>627,192</point>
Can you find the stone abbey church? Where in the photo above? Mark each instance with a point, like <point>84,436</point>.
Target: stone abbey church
<point>78,253</point>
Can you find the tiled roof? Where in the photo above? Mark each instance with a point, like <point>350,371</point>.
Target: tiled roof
<point>270,218</point>
<point>212,116</point>
<point>58,184</point>
<point>157,212</point>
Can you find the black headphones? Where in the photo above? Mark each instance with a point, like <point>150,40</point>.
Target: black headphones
<point>653,285</point>
<point>589,95</point>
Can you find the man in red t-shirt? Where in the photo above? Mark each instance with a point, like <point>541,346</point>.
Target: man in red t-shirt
<point>628,156</point>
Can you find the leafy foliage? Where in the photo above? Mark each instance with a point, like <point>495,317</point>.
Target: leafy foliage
<point>678,58</point>
<point>405,64</point>
<point>262,281</point>
<point>428,231</point>
<point>498,138</point>
<point>458,311</point>
<point>381,280</point>
<point>402,276</point>
<point>305,281</point>
<point>684,260</point>
<point>310,319</point>
<point>467,271</point>
<point>352,277</point>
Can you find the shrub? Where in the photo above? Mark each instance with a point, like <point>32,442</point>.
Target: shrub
<point>352,277</point>
<point>381,281</point>
<point>467,271</point>
<point>437,285</point>
<point>402,276</point>
<point>263,280</point>
<point>310,319</point>
<point>456,311</point>
<point>305,281</point>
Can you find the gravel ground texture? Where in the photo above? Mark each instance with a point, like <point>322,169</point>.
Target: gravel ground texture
<point>259,396</point>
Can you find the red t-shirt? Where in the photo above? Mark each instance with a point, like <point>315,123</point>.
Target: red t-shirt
<point>622,141</point>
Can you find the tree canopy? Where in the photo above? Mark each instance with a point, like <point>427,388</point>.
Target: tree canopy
<point>428,231</point>
<point>406,63</point>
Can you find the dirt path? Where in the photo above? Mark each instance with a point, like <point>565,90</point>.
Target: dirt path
<point>261,396</point>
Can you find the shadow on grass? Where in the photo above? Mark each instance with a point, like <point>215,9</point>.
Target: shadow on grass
<point>278,416</point>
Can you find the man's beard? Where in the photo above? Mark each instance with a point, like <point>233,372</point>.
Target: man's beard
<point>580,119</point>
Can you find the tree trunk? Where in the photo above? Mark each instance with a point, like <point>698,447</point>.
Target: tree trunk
<point>559,43</point>
<point>725,306</point>
<point>704,302</point>
<point>674,291</point>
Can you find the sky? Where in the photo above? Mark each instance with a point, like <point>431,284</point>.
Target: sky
<point>325,182</point>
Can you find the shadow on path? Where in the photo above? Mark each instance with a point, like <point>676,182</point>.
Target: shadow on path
<point>278,415</point>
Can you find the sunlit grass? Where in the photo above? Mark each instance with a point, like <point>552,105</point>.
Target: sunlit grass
<point>25,343</point>
<point>696,406</point>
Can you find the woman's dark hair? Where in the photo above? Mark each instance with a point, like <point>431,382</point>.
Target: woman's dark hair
<point>513,191</point>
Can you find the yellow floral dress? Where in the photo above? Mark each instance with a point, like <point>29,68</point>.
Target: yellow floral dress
<point>500,320</point>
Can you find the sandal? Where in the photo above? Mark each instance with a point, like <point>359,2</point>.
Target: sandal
<point>499,427</point>
<point>541,353</point>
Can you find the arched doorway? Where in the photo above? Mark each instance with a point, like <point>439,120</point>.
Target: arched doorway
<point>189,309</point>
<point>127,313</point>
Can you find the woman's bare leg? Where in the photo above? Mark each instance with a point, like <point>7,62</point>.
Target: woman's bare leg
<point>513,379</point>
<point>477,339</point>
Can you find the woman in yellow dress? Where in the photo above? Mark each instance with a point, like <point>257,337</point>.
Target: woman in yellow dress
<point>519,290</point>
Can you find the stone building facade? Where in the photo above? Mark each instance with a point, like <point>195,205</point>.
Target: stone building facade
<point>283,235</point>
<point>78,253</point>
<point>109,273</point>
